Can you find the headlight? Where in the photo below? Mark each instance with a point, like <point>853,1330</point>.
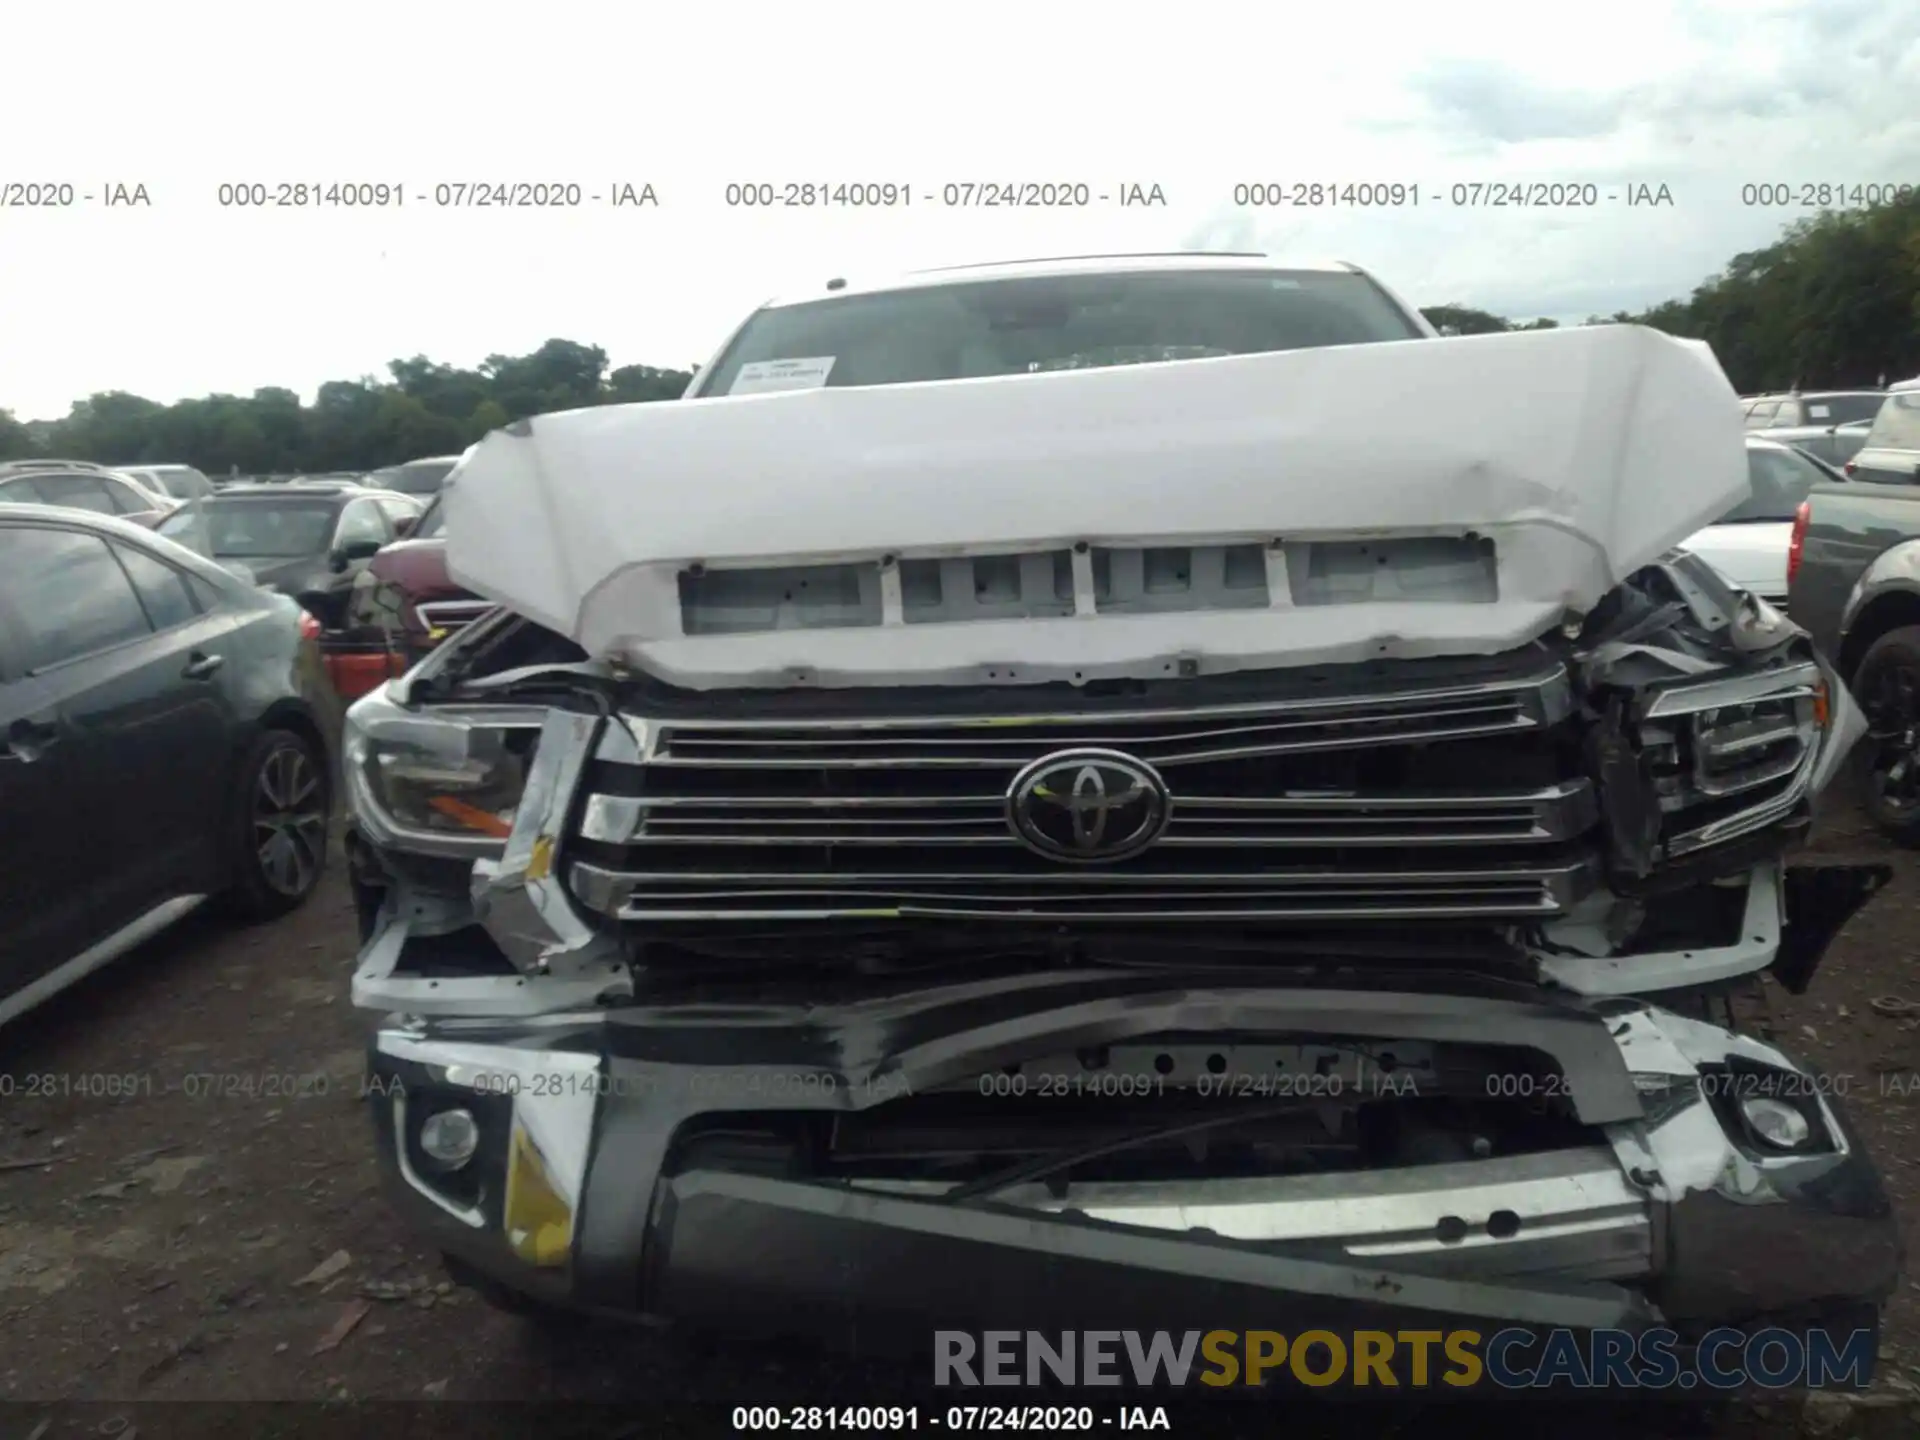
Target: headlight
<point>447,780</point>
<point>1731,755</point>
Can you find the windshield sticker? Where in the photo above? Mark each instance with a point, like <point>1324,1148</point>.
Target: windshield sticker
<point>761,377</point>
<point>1818,412</point>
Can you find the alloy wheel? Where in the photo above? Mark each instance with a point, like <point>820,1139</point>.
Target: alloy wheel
<point>1893,713</point>
<point>290,820</point>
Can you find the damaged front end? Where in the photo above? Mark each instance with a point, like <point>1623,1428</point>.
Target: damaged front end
<point>770,1013</point>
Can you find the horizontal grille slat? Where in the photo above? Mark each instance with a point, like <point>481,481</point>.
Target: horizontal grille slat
<point>1443,803</point>
<point>1011,743</point>
<point>1461,894</point>
<point>1280,820</point>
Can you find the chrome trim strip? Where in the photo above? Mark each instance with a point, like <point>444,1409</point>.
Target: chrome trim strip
<point>1568,1208</point>
<point>1757,818</point>
<point>999,747</point>
<point>1554,812</point>
<point>1547,681</point>
<point>1533,892</point>
<point>1790,682</point>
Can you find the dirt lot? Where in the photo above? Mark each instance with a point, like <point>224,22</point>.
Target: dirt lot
<point>167,1237</point>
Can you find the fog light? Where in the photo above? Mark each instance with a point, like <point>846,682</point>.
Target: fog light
<point>1776,1122</point>
<point>449,1138</point>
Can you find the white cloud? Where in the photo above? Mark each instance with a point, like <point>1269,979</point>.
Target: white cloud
<point>188,297</point>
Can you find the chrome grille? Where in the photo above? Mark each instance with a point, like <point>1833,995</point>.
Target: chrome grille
<point>1277,810</point>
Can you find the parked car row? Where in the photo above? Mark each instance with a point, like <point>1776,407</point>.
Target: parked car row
<point>1756,543</point>
<point>1854,583</point>
<point>1830,425</point>
<point>174,654</point>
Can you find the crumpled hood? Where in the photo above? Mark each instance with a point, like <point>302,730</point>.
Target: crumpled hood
<point>1576,455</point>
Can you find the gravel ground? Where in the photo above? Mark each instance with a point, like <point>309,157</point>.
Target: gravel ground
<point>167,1238</point>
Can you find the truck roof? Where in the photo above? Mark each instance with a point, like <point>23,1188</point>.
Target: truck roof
<point>1061,265</point>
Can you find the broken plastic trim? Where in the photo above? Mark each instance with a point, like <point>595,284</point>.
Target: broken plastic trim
<point>1820,900</point>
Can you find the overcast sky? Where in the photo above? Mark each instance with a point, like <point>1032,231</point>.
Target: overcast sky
<point>187,298</point>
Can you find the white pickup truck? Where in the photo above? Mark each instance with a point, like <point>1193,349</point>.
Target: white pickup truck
<point>1122,791</point>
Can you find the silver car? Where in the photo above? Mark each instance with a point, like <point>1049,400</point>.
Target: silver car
<point>1830,425</point>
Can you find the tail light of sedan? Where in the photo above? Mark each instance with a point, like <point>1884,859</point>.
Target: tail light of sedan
<point>1797,541</point>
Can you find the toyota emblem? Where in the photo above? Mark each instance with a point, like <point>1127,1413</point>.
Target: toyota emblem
<point>1087,805</point>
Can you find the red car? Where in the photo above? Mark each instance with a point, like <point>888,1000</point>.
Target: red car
<point>403,606</point>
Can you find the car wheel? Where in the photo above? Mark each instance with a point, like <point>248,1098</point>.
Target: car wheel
<point>1888,687</point>
<point>280,835</point>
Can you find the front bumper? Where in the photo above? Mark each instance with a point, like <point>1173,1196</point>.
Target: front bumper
<point>1669,1216</point>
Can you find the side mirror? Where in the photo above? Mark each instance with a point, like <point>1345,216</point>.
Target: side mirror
<point>354,550</point>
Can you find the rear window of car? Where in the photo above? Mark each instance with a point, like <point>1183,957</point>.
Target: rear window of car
<point>419,477</point>
<point>1897,426</point>
<point>1781,479</point>
<point>1842,409</point>
<point>181,484</point>
<point>254,528</point>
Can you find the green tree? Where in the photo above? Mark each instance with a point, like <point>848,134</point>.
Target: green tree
<point>633,383</point>
<point>15,441</point>
<point>421,408</point>
<point>488,416</point>
<point>1464,320</point>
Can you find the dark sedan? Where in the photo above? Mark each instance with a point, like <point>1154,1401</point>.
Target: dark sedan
<point>165,738</point>
<point>307,540</point>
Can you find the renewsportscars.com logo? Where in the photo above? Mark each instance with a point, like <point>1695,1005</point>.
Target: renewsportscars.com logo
<point>1516,1358</point>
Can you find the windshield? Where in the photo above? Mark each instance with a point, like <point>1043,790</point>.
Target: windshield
<point>420,477</point>
<point>1842,409</point>
<point>1781,479</point>
<point>1052,322</point>
<point>240,529</point>
<point>429,525</point>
